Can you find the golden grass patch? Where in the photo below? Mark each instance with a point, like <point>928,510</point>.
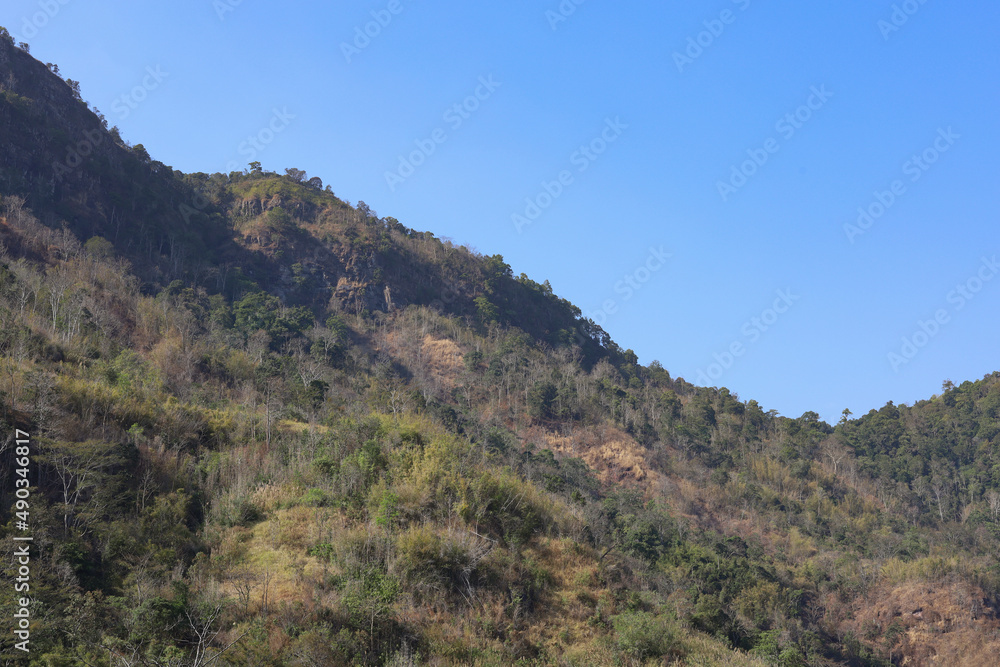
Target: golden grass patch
<point>615,455</point>
<point>274,552</point>
<point>443,358</point>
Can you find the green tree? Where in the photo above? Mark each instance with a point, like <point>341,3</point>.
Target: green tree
<point>297,175</point>
<point>140,152</point>
<point>487,311</point>
<point>99,248</point>
<point>256,311</point>
<point>540,400</point>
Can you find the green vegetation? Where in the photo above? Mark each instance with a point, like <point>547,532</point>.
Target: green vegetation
<point>272,428</point>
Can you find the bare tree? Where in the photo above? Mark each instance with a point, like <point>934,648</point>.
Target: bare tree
<point>77,471</point>
<point>270,408</point>
<point>396,402</point>
<point>205,627</point>
<point>938,492</point>
<point>58,283</point>
<point>29,282</point>
<point>265,592</point>
<point>994,499</point>
<point>14,208</point>
<point>147,487</point>
<point>244,585</point>
<point>257,345</point>
<point>308,368</point>
<point>325,337</point>
<point>835,451</point>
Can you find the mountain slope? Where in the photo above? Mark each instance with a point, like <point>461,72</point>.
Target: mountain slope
<point>275,428</point>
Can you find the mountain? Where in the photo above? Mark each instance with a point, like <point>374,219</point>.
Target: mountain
<point>268,427</point>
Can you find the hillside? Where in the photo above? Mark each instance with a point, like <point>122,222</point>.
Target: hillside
<point>269,427</point>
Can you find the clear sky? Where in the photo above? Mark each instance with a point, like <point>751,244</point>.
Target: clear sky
<point>739,137</point>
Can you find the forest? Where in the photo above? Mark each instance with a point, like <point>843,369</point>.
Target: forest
<point>270,427</point>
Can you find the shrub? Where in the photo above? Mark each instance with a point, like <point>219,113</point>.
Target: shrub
<point>387,510</point>
<point>502,506</point>
<point>315,498</point>
<point>761,604</point>
<point>445,562</point>
<point>643,635</point>
<point>237,510</point>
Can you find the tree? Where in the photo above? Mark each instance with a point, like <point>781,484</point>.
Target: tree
<point>540,399</point>
<point>14,207</point>
<point>365,211</point>
<point>496,271</point>
<point>623,522</point>
<point>78,469</point>
<point>297,175</point>
<point>833,448</point>
<point>99,248</point>
<point>994,499</point>
<point>256,311</point>
<point>28,285</point>
<point>315,182</point>
<point>277,221</point>
<point>59,283</point>
<point>488,313</point>
<point>204,622</point>
<point>255,168</point>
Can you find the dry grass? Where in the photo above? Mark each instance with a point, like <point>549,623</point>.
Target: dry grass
<point>275,550</point>
<point>574,589</point>
<point>708,652</point>
<point>935,623</point>
<point>299,428</point>
<point>614,454</point>
<point>443,359</point>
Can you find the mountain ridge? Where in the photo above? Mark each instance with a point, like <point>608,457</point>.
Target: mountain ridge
<point>275,428</point>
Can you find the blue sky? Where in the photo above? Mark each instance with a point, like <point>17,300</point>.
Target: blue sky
<point>608,128</point>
